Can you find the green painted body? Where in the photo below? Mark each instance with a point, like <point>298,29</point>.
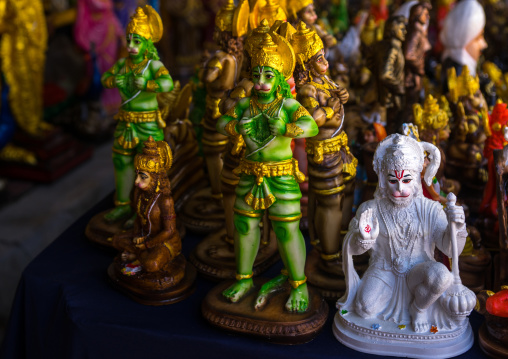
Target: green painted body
<point>264,135</point>
<point>129,84</point>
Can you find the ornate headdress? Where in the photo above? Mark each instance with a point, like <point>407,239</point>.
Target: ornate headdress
<point>269,10</point>
<point>294,6</point>
<point>306,43</point>
<point>147,23</point>
<point>463,85</point>
<point>156,157</point>
<point>274,51</point>
<point>224,18</point>
<point>398,152</point>
<point>430,117</point>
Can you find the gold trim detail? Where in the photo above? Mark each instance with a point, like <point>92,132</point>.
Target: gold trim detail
<point>123,152</point>
<point>212,105</point>
<point>231,113</point>
<point>110,82</point>
<point>171,250</point>
<point>285,272</point>
<point>329,192</point>
<point>229,181</point>
<point>328,111</point>
<point>287,167</point>
<point>310,102</point>
<point>231,128</point>
<point>292,130</point>
<point>137,117</point>
<point>300,112</point>
<point>296,283</point>
<point>229,240</point>
<point>120,203</point>
<point>330,257</point>
<point>161,72</point>
<point>259,203</point>
<point>285,219</point>
<point>214,62</point>
<point>244,276</point>
<point>248,213</point>
<point>152,86</point>
<point>318,148</point>
<point>216,195</point>
<point>214,143</point>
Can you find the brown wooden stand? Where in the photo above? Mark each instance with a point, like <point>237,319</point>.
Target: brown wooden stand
<point>214,258</point>
<point>159,288</point>
<point>202,213</point>
<point>273,322</point>
<point>490,346</point>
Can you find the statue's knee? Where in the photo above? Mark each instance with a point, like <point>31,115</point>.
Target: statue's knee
<point>243,224</point>
<point>439,277</point>
<point>365,308</point>
<point>284,230</point>
<point>151,266</point>
<point>119,161</point>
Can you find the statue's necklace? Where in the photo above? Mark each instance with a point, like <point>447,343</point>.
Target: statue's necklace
<point>135,68</point>
<point>268,109</point>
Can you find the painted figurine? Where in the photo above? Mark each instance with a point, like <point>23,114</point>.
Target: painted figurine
<point>268,121</point>
<point>387,66</point>
<point>462,38</point>
<point>331,166</point>
<point>139,78</point>
<point>405,294</point>
<point>151,266</point>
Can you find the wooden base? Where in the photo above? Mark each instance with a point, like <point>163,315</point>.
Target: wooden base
<point>272,323</point>
<point>100,231</point>
<point>327,277</point>
<point>160,288</point>
<point>202,213</point>
<point>490,346</point>
<point>214,258</point>
<point>57,153</point>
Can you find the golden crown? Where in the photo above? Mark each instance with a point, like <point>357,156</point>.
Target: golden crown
<point>270,10</point>
<point>294,6</point>
<point>156,157</point>
<point>463,85</point>
<point>430,117</point>
<point>146,22</point>
<point>274,51</point>
<point>306,43</point>
<point>224,18</point>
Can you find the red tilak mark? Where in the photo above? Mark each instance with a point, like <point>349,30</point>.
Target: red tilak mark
<point>368,229</point>
<point>397,174</point>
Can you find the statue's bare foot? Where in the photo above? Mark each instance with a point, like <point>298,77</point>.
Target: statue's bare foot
<point>238,290</point>
<point>130,222</point>
<point>117,213</point>
<point>221,252</point>
<point>298,301</point>
<point>419,318</point>
<point>127,257</point>
<point>268,288</point>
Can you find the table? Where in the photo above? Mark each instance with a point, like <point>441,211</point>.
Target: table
<point>65,308</point>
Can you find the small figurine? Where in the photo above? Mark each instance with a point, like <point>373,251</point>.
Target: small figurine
<point>204,212</point>
<point>331,166</point>
<point>387,66</point>
<point>462,38</point>
<point>268,121</point>
<point>493,334</point>
<point>138,78</point>
<point>406,302</point>
<point>151,268</point>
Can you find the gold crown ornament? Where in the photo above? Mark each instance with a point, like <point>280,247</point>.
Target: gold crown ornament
<point>294,6</point>
<point>274,51</point>
<point>156,157</point>
<point>463,85</point>
<point>146,22</point>
<point>241,18</point>
<point>430,117</point>
<point>271,10</point>
<point>224,18</point>
<point>306,43</point>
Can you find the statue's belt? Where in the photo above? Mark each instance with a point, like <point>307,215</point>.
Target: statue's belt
<point>318,148</point>
<point>127,136</point>
<point>270,169</point>
<point>140,117</point>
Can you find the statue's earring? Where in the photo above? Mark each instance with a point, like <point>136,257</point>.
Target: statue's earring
<point>158,185</point>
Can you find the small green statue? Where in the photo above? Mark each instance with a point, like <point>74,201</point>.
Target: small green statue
<point>268,121</point>
<point>139,78</point>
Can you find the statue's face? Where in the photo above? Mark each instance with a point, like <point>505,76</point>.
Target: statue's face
<point>265,81</point>
<point>400,187</point>
<point>308,14</point>
<point>143,180</point>
<point>319,64</point>
<point>424,17</point>
<point>136,45</point>
<point>476,46</point>
<point>399,31</point>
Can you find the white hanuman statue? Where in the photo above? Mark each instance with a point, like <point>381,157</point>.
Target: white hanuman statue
<point>404,285</point>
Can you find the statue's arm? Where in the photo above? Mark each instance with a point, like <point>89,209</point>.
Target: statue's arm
<point>443,234</point>
<point>411,54</point>
<point>162,81</point>
<point>227,124</point>
<point>301,123</point>
<point>307,96</point>
<point>212,70</point>
<point>168,223</point>
<point>108,79</point>
<point>364,228</point>
<point>387,75</point>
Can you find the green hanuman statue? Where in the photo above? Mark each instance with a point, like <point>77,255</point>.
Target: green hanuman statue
<point>138,78</point>
<point>267,122</point>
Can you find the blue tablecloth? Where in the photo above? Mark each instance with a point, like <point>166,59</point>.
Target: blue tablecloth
<point>65,308</point>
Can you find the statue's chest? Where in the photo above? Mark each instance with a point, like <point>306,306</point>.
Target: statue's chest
<point>131,71</point>
<point>258,120</point>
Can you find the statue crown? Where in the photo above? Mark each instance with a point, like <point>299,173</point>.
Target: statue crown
<point>306,43</point>
<point>156,157</point>
<point>463,85</point>
<point>224,18</point>
<point>430,117</point>
<point>147,23</point>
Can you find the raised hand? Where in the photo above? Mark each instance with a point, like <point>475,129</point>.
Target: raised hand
<point>244,128</point>
<point>120,80</point>
<point>368,225</point>
<point>277,126</point>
